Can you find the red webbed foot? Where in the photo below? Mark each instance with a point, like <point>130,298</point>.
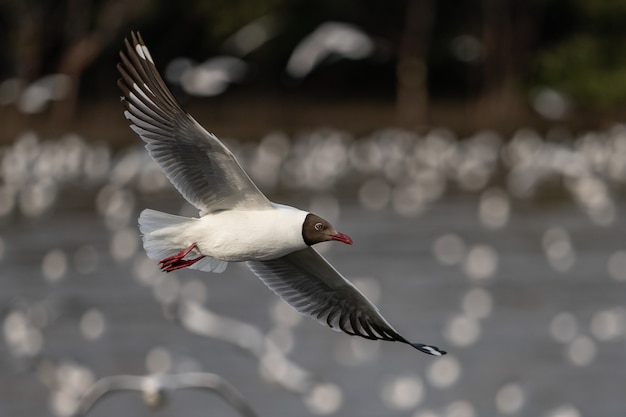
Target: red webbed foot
<point>174,262</point>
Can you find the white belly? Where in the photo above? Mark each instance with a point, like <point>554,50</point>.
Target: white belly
<point>236,236</point>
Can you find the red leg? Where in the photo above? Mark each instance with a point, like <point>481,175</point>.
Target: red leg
<point>179,255</point>
<point>174,262</point>
<point>182,263</point>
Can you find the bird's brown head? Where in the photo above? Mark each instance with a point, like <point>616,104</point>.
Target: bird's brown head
<point>316,230</point>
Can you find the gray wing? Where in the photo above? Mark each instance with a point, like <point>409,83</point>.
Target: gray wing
<point>306,281</point>
<point>106,386</point>
<point>215,383</point>
<point>201,168</point>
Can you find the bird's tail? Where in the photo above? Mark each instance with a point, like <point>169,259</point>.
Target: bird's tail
<point>153,220</point>
<point>160,232</point>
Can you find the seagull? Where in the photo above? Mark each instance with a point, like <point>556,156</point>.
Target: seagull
<point>237,222</point>
<point>330,38</point>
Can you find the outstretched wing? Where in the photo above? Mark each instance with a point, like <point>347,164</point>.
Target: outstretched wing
<point>201,168</point>
<point>306,281</point>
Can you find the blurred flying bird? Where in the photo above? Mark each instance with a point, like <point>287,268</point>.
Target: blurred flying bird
<point>210,78</point>
<point>330,38</point>
<point>154,387</point>
<point>36,96</point>
<point>237,222</point>
<point>252,36</point>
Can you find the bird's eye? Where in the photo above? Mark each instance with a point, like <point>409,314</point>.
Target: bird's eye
<point>319,226</point>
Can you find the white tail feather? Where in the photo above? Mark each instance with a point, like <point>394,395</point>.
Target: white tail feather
<point>159,244</point>
<point>152,220</point>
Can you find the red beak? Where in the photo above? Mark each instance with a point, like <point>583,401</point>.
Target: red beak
<point>340,237</point>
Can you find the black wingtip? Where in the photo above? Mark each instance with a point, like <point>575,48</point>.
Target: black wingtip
<point>431,350</point>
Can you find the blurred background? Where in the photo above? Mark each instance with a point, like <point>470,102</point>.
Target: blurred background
<point>466,65</point>
<point>474,151</point>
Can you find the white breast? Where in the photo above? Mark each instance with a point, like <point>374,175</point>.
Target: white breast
<point>236,236</point>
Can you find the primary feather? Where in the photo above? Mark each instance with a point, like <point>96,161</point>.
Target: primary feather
<point>201,168</point>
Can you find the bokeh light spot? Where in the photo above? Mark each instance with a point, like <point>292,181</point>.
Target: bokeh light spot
<point>444,371</point>
<point>477,303</point>
<point>481,262</point>
<point>581,351</point>
<point>54,265</point>
<point>449,249</point>
<point>462,330</point>
<point>403,392</point>
<point>324,399</point>
<point>92,324</point>
<point>617,266</point>
<point>510,398</point>
<point>564,327</point>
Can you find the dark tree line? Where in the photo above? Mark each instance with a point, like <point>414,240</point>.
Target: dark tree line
<point>490,53</point>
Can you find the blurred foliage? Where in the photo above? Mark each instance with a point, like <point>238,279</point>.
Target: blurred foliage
<point>590,69</point>
<point>588,59</point>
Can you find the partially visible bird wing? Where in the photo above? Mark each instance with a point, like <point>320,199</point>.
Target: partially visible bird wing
<point>201,168</point>
<point>106,386</point>
<point>306,281</point>
<point>217,384</point>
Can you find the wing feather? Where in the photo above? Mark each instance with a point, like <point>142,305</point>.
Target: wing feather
<point>195,161</point>
<point>306,281</point>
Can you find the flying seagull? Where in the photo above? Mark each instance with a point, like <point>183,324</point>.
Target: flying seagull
<point>237,222</point>
<point>330,38</point>
<point>155,387</point>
